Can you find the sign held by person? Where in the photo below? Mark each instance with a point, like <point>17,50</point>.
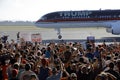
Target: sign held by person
<point>36,37</point>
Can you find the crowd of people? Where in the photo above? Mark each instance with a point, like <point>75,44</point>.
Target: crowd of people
<point>59,61</point>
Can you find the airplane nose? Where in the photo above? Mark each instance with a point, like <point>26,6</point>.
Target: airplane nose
<point>37,21</point>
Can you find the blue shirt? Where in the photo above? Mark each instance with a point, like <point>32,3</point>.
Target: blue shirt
<point>55,77</point>
<point>47,54</point>
<point>44,73</point>
<point>90,56</point>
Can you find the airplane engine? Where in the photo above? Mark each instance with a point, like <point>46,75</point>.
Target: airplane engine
<point>114,29</point>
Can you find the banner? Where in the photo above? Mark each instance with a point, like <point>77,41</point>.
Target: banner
<point>25,36</point>
<point>36,37</point>
<point>91,38</point>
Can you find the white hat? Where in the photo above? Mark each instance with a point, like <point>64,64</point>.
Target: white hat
<point>73,75</point>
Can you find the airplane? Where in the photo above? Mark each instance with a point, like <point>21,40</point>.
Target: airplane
<point>110,19</point>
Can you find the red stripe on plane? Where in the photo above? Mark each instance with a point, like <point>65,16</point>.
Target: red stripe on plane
<point>81,19</point>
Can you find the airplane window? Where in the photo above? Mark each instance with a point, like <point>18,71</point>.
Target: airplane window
<point>119,15</point>
<point>114,16</point>
<point>43,18</point>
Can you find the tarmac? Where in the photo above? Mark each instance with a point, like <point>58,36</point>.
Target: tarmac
<point>103,39</point>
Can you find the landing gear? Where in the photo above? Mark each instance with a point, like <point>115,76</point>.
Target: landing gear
<point>59,37</point>
<point>59,33</point>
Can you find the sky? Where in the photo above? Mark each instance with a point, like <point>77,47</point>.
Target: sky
<point>32,10</point>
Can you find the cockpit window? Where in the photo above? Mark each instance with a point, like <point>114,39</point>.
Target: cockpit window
<point>43,18</point>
